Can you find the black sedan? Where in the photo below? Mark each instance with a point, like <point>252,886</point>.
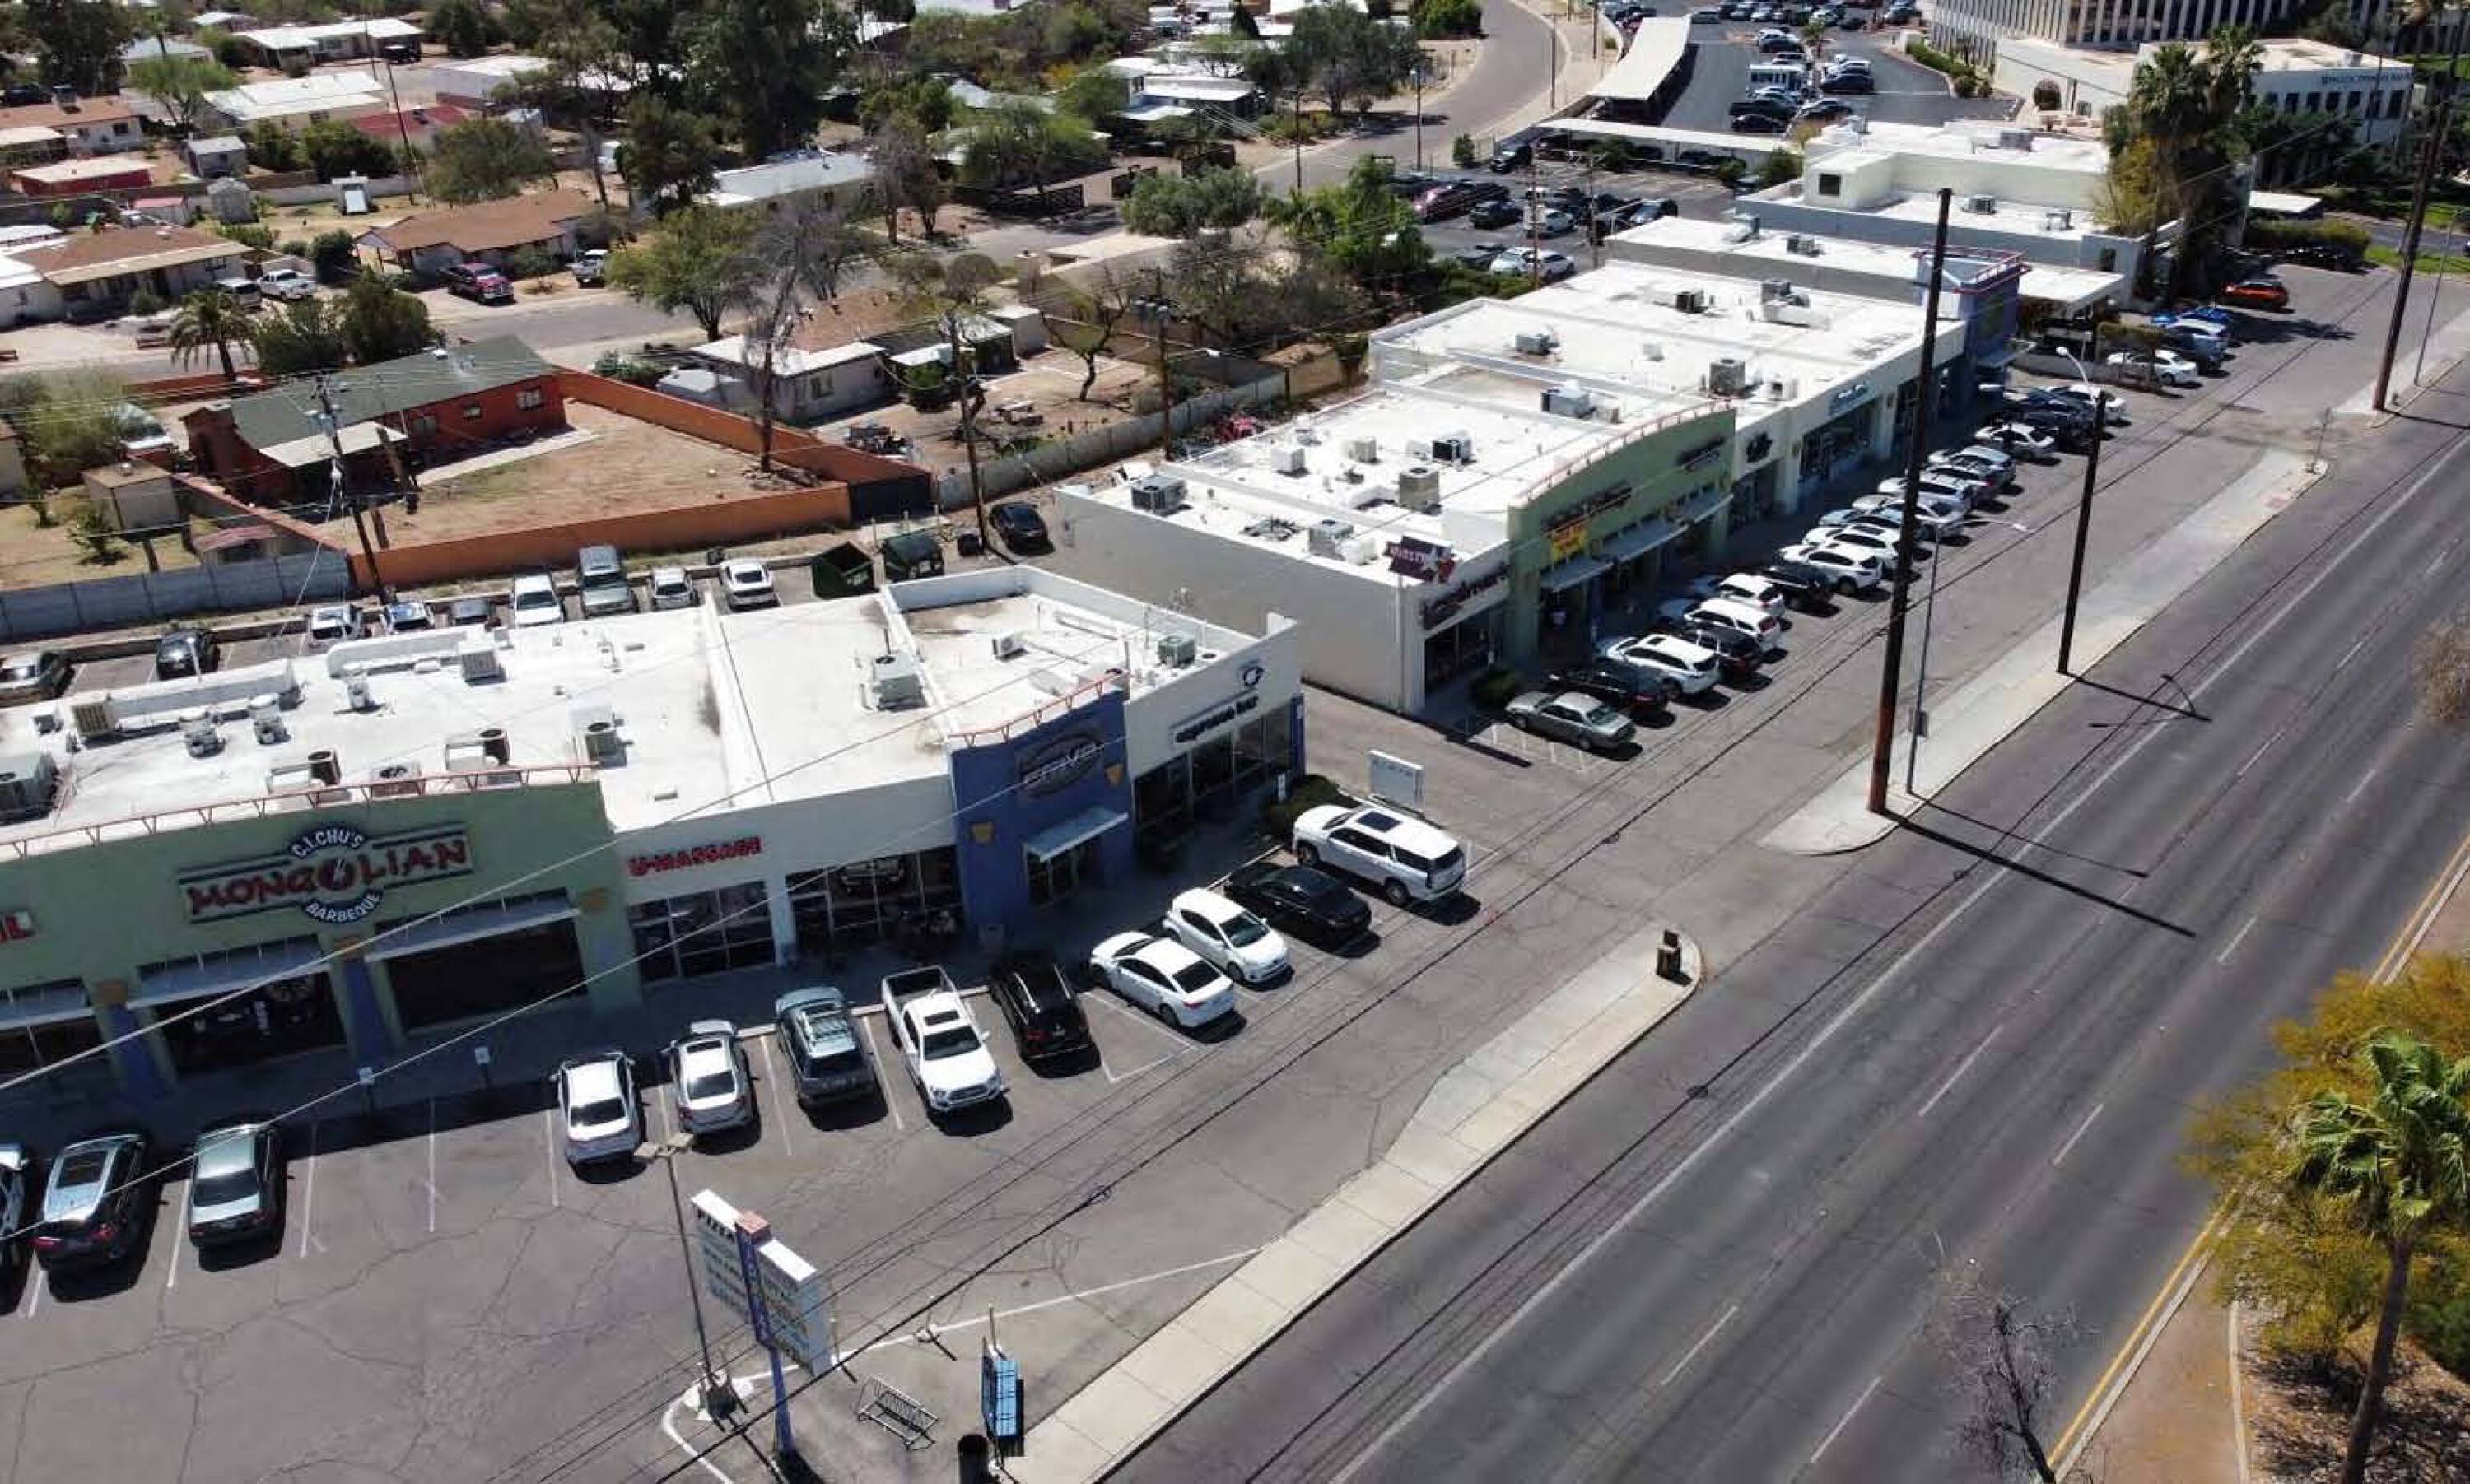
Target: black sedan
<point>1803,586</point>
<point>1303,900</point>
<point>1021,527</point>
<point>1614,684</point>
<point>1040,1006</point>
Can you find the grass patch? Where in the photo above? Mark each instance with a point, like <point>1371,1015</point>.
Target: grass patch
<point>2427,261</point>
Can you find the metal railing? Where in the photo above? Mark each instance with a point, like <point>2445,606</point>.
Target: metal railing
<point>1045,711</point>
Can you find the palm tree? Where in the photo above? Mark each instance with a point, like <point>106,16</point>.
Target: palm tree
<point>209,317</point>
<point>2401,1165</point>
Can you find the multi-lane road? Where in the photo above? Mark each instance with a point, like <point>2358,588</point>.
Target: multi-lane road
<point>1718,1260</point>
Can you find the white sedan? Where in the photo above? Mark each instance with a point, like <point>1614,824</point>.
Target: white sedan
<point>748,583</point>
<point>1163,977</point>
<point>2027,438</point>
<point>1244,948</point>
<point>1742,588</point>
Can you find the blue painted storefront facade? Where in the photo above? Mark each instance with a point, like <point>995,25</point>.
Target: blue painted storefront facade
<point>1041,779</point>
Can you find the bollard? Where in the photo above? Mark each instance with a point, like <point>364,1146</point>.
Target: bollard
<point>1667,958</point>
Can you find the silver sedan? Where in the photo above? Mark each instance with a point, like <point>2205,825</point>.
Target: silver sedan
<point>1572,717</point>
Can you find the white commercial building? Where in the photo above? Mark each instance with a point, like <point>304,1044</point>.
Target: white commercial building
<point>2298,77</point>
<point>2016,190</point>
<point>833,179</point>
<point>1975,27</point>
<point>1745,247</point>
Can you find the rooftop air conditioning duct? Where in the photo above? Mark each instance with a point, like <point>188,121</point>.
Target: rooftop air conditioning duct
<point>1569,401</point>
<point>266,718</point>
<point>1419,488</point>
<point>1287,458</point>
<point>28,784</point>
<point>198,730</point>
<point>896,682</point>
<point>1983,204</point>
<point>1327,537</point>
<point>394,780</point>
<point>1011,645</point>
<point>1178,650</point>
<point>1535,342</point>
<point>1727,376</point>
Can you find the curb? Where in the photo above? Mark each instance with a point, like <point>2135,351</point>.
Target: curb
<point>1474,1113</point>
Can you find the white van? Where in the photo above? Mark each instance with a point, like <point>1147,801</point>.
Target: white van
<point>244,290</point>
<point>1786,75</point>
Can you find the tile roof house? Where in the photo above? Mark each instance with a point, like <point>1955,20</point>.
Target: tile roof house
<point>430,408</point>
<point>58,130</point>
<point>492,232</point>
<point>418,126</point>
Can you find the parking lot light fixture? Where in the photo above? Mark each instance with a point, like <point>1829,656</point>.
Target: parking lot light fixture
<point>719,1398</point>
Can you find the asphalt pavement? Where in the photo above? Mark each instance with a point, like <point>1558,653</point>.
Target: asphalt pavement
<point>1972,1052</point>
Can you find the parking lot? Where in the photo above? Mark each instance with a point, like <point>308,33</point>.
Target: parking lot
<point>1907,92</point>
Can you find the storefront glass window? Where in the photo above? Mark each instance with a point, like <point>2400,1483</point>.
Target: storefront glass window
<point>1162,797</point>
<point>1213,772</point>
<point>508,970</point>
<point>1055,877</point>
<point>41,1024</point>
<point>1254,760</point>
<point>703,932</point>
<point>1464,647</point>
<point>231,1023</point>
<point>850,906</point>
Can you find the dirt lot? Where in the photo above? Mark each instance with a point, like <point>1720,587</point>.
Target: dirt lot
<point>36,555</point>
<point>624,466</point>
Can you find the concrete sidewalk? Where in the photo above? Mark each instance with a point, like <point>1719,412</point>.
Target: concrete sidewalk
<point>2003,697</point>
<point>1478,1108</point>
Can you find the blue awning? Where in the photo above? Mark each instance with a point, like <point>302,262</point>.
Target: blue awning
<point>1062,835</point>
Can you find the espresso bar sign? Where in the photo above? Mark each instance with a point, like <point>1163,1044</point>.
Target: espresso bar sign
<point>333,873</point>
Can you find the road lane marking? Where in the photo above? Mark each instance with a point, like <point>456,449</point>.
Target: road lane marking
<point>1691,1353</point>
<point>934,1331</point>
<point>2258,754</point>
<point>549,1149</point>
<point>2138,1344</point>
<point>875,1055</point>
<point>2054,1159</point>
<point>2351,654</point>
<point>1961,1068</point>
<point>188,1196</point>
<point>2360,787</point>
<point>307,1189</point>
<point>432,1167</point>
<point>1846,1421</point>
<point>779,1103</point>
<point>2236,938</point>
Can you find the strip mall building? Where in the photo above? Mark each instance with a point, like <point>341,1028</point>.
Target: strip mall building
<point>362,846</point>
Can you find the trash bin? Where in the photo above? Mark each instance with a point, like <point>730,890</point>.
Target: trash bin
<point>976,1458</point>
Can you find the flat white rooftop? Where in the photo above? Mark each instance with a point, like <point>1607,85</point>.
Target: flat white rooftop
<point>1053,651</point>
<point>1879,270</point>
<point>1969,141</point>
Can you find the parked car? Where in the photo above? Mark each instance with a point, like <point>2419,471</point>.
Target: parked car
<point>1232,938</point>
<point>186,652</point>
<point>16,1194</point>
<point>480,283</point>
<point>827,1063</point>
<point>1737,655</point>
<point>2027,440</point>
<point>2092,399</point>
<point>1689,666</point>
<point>1163,977</point>
<point>1303,900</point>
<point>1841,82</point>
<point>1499,213</point>
<point>602,586</point>
<point>1705,15</point>
<point>2269,293</point>
<point>592,267</point>
<point>1729,614</point>
<point>1937,517</point>
<point>1849,572</point>
<point>98,1204</point>
<point>2160,366</point>
<point>1967,463</point>
<point>1573,717</point>
<point>1741,587</point>
<point>285,283</point>
<point>599,1118</point>
<point>938,1042</point>
<point>1038,1003</point>
<point>1553,221</point>
<point>1803,585</point>
<point>1623,685</point>
<point>747,583</point>
<point>33,675</point>
<point>235,1183</point>
<point>2323,255</point>
<point>1507,156</point>
<point>1479,255</point>
<point>708,1078</point>
<point>1747,122</point>
<point>1826,110</point>
<point>533,601</point>
<point>1524,261</point>
<point>1406,859</point>
<point>1875,543</point>
<point>467,610</point>
<point>1023,528</point>
<point>672,588</point>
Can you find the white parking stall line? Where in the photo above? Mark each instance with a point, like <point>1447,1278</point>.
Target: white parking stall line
<point>33,1287</point>
<point>1180,1044</point>
<point>1074,1297</point>
<point>874,1055</point>
<point>432,1167</point>
<point>549,1148</point>
<point>2078,1134</point>
<point>779,1100</point>
<point>1846,1421</point>
<point>172,1274</point>
<point>309,1190</point>
<point>661,1105</point>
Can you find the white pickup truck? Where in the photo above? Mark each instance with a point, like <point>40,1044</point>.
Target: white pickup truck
<point>287,284</point>
<point>940,1040</point>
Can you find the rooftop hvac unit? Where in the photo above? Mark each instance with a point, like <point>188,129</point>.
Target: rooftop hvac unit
<point>1419,488</point>
<point>896,682</point>
<point>1727,376</point>
<point>1689,301</point>
<point>2016,139</point>
<point>1011,645</point>
<point>1178,650</point>
<point>28,784</point>
<point>356,689</point>
<point>1983,204</point>
<point>265,719</point>
<point>1740,231</point>
<point>1454,449</point>
<point>92,717</point>
<point>596,736</point>
<point>478,661</point>
<point>1568,402</point>
<point>198,730</point>
<point>2058,218</point>
<point>1771,289</point>
<point>1327,537</point>
<point>1287,458</point>
<point>394,780</point>
<point>1364,451</point>
<point>1157,494</point>
<point>1536,342</point>
<point>1782,388</point>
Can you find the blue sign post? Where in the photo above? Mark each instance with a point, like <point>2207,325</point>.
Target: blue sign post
<point>760,1319</point>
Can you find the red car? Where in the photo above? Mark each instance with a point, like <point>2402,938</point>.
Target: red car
<point>2257,294</point>
<point>478,282</point>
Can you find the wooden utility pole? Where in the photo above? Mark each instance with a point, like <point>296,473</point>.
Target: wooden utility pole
<point>1891,673</point>
<point>965,371</point>
<point>1162,312</point>
<point>2431,156</point>
<point>342,485</point>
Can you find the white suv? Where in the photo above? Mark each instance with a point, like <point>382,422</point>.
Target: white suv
<point>597,1107</point>
<point>534,601</point>
<point>1408,859</point>
<point>1689,666</point>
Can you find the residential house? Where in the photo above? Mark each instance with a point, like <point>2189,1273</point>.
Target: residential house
<point>474,82</point>
<point>835,179</point>
<point>220,154</point>
<point>429,407</point>
<point>36,132</point>
<point>420,126</point>
<point>427,243</point>
<point>278,46</point>
<point>94,273</point>
<point>85,176</point>
<point>296,103</point>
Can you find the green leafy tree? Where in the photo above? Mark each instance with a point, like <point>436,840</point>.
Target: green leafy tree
<point>580,45</point>
<point>1778,167</point>
<point>304,335</point>
<point>381,322</point>
<point>228,50</point>
<point>1349,59</point>
<point>926,102</point>
<point>1021,144</point>
<point>2185,106</point>
<point>1360,226</point>
<point>209,319</point>
<point>1188,205</point>
<point>329,253</point>
<point>1463,151</point>
<point>332,148</point>
<point>91,528</point>
<point>180,84</point>
<point>762,67</point>
<point>1246,24</point>
<point>2399,1161</point>
<point>1434,19</point>
<point>460,25</point>
<point>483,159</point>
<point>273,147</point>
<point>669,157</point>
<point>799,253</point>
<point>1093,94</point>
<point>698,260</point>
<point>67,423</point>
<point>77,41</point>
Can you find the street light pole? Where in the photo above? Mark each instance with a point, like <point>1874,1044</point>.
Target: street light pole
<point>1890,673</point>
<point>719,1398</point>
<point>342,484</point>
<point>2430,159</point>
<point>2083,516</point>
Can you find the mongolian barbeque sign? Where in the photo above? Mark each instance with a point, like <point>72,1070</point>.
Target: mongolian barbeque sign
<point>333,873</point>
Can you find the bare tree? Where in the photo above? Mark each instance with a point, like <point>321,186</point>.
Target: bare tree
<point>2441,668</point>
<point>1091,313</point>
<point>2003,1355</point>
<point>905,174</point>
<point>802,251</point>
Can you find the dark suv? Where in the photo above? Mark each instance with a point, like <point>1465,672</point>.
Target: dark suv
<point>1623,685</point>
<point>1737,653</point>
<point>1038,1003</point>
<point>97,1204</point>
<point>186,652</point>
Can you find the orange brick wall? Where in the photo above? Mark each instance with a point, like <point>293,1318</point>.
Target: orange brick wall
<point>794,447</point>
<point>679,528</point>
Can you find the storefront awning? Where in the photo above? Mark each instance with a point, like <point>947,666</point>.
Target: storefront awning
<point>471,923</point>
<point>45,1007</point>
<point>1634,541</point>
<point>1064,834</point>
<point>1570,572</point>
<point>227,972</point>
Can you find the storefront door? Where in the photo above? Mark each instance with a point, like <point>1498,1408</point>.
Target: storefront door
<point>487,976</point>
<point>211,1033</point>
<point>703,932</point>
<point>1054,877</point>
